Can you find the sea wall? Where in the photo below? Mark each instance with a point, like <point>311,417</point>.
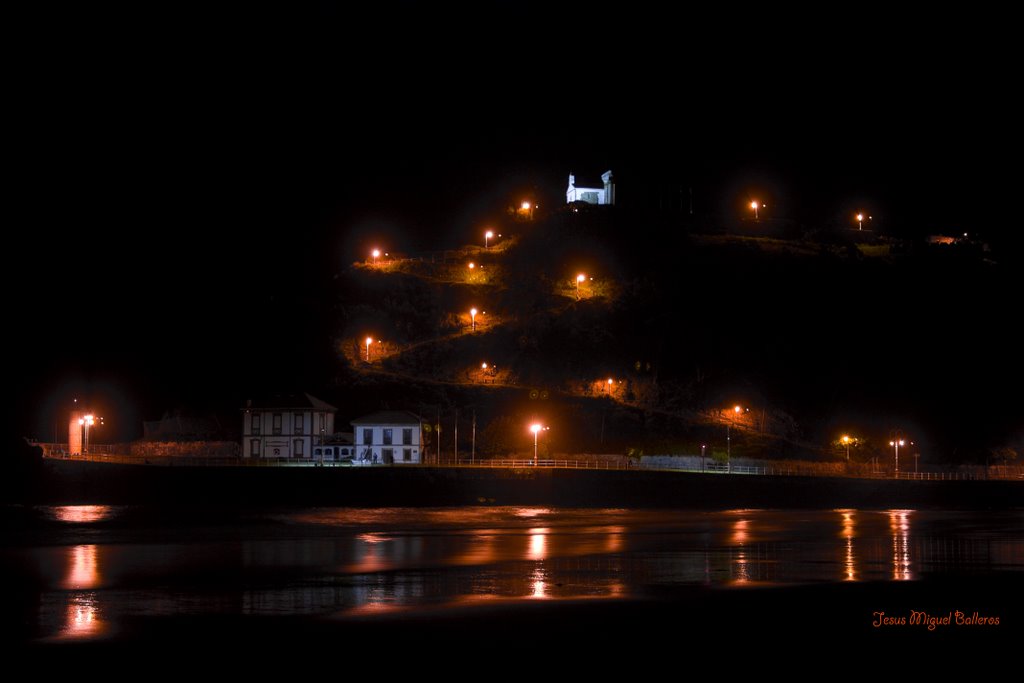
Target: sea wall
<point>60,481</point>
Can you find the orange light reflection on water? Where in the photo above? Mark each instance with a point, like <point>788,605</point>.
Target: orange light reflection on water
<point>82,619</point>
<point>82,568</point>
<point>80,514</point>
<point>899,525</point>
<point>849,533</point>
<point>739,537</point>
<point>538,544</point>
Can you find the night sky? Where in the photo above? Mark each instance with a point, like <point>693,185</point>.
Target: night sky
<point>186,186</point>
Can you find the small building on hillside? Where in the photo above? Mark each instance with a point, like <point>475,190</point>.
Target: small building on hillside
<point>285,426</point>
<point>591,195</point>
<point>389,437</point>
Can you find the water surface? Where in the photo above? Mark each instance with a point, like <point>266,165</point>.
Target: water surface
<point>89,572</point>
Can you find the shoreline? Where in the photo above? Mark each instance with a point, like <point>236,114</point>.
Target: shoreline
<point>83,482</point>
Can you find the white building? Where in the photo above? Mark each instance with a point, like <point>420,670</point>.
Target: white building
<point>287,426</point>
<point>591,195</point>
<point>389,437</point>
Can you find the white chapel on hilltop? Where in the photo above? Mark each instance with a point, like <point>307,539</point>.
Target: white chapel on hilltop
<point>591,195</point>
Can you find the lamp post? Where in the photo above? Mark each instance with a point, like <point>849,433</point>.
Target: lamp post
<point>87,421</point>
<point>535,428</point>
<point>376,254</point>
<point>608,385</point>
<point>846,440</point>
<point>702,447</point>
<point>487,238</point>
<point>472,317</point>
<point>369,340</point>
<point>896,443</point>
<point>755,205</point>
<point>579,278</point>
<point>860,221</point>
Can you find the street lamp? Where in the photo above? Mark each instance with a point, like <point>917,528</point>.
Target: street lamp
<point>369,340</point>
<point>860,221</point>
<point>579,278</point>
<point>846,440</point>
<point>87,421</point>
<point>609,384</point>
<point>487,238</point>
<point>472,317</point>
<point>755,206</point>
<point>536,427</point>
<point>376,254</point>
<point>472,265</point>
<point>896,443</point>
<point>526,206</point>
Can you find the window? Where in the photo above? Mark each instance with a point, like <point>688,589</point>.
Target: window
<point>387,455</point>
<point>255,424</point>
<point>344,451</point>
<point>407,436</point>
<point>254,448</point>
<point>298,448</point>
<point>317,451</point>
<point>367,437</point>
<point>277,424</point>
<point>387,435</point>
<point>299,424</point>
<point>407,454</point>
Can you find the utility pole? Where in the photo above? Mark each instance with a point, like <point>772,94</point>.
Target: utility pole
<point>728,450</point>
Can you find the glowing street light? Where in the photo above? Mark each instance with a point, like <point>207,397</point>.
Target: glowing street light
<point>609,384</point>
<point>487,238</point>
<point>860,221</point>
<point>755,206</point>
<point>896,443</point>
<point>846,440</point>
<point>472,317</point>
<point>375,254</point>
<point>87,421</point>
<point>369,340</point>
<point>526,206</point>
<point>737,410</point>
<point>483,366</point>
<point>536,428</point>
<point>579,278</point>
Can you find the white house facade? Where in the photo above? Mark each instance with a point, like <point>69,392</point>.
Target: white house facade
<point>389,437</point>
<point>288,426</point>
<point>592,195</point>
